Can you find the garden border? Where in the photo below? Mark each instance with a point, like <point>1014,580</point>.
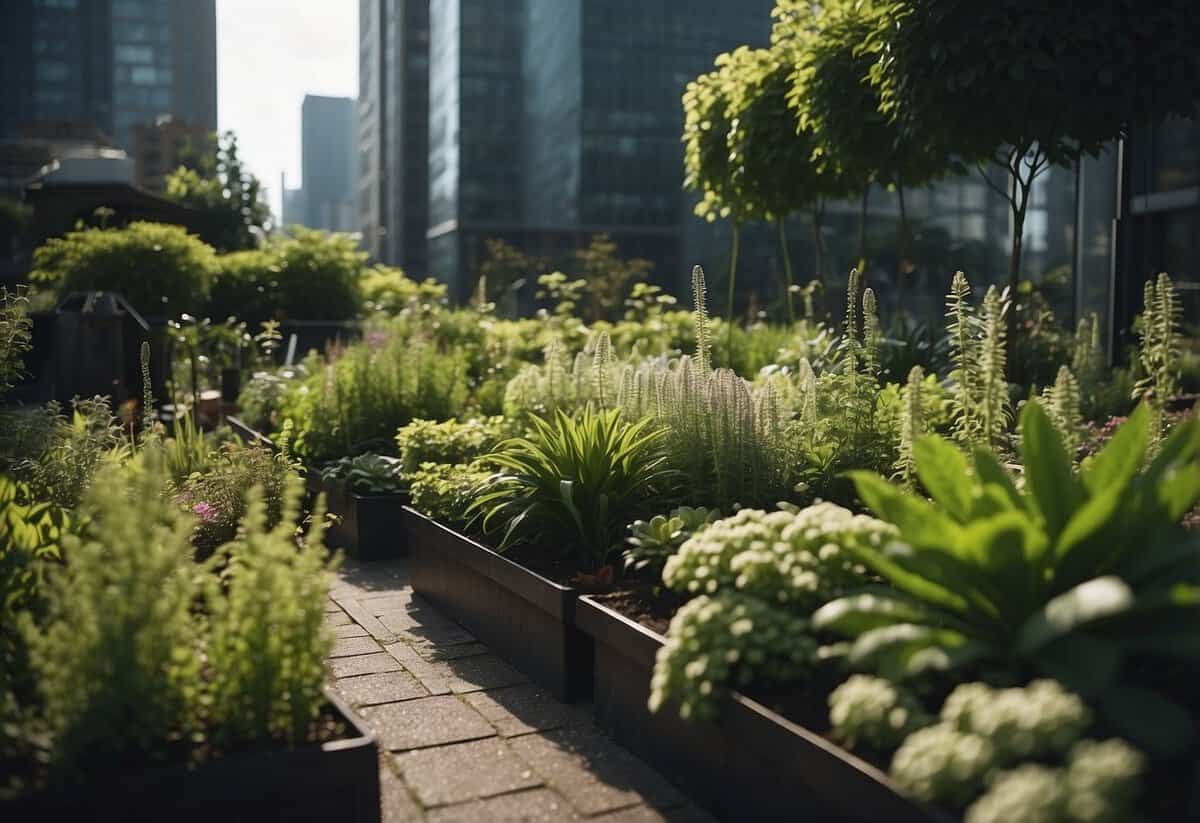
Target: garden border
<point>523,617</point>
<point>372,527</point>
<point>752,763</point>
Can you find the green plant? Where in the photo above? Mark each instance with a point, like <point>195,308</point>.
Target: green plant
<point>1159,352</point>
<point>652,542</point>
<point>978,352</point>
<point>1062,402</point>
<point>873,713</point>
<point>912,426</point>
<point>221,193</point>
<point>368,474</point>
<point>16,336</point>
<point>267,639</point>
<point>1069,577</point>
<point>62,454</point>
<point>187,451</point>
<point>159,269</point>
<point>574,483</point>
<point>444,491</point>
<point>449,441</point>
<point>117,657</point>
<point>388,289</point>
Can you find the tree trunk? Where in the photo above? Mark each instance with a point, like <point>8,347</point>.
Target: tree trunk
<point>733,261</point>
<point>819,246</point>
<point>1022,188</point>
<point>787,267</point>
<point>901,235</point>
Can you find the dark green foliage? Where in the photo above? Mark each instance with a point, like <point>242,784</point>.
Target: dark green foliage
<point>574,483</point>
<point>214,182</point>
<point>652,541</point>
<point>367,474</point>
<point>161,270</point>
<point>450,441</point>
<point>16,336</point>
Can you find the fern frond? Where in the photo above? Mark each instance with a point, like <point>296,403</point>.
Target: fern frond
<point>872,334</point>
<point>993,357</point>
<point>960,329</point>
<point>912,426</point>
<point>1062,404</point>
<point>703,354</point>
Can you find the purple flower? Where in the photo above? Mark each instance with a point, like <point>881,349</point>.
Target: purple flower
<point>206,512</point>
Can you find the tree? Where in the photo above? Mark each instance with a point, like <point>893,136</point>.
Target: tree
<point>835,100</point>
<point>213,181</point>
<point>504,271</point>
<point>1026,83</point>
<point>608,276</point>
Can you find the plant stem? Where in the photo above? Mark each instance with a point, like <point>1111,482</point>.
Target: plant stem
<point>787,267</point>
<point>733,261</point>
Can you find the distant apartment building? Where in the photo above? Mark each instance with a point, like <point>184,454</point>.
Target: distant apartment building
<point>109,64</point>
<point>161,147</point>
<point>328,126</point>
<point>291,203</point>
<point>393,131</point>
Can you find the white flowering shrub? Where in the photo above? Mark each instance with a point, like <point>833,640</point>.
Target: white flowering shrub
<point>795,558</point>
<point>1039,720</point>
<point>943,765</point>
<point>873,712</point>
<point>728,639</point>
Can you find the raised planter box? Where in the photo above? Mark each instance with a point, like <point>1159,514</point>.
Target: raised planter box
<point>752,764</point>
<point>523,617</point>
<point>337,780</point>
<point>372,527</point>
<point>247,433</point>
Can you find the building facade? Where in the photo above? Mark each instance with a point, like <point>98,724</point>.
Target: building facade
<point>112,64</point>
<point>160,147</point>
<point>328,162</point>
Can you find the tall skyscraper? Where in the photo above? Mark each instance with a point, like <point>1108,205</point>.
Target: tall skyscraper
<point>111,64</point>
<point>393,112</point>
<point>328,163</point>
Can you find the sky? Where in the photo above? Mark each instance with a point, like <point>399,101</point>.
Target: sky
<point>270,53</point>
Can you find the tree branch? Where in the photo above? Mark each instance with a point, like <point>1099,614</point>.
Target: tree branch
<point>991,184</point>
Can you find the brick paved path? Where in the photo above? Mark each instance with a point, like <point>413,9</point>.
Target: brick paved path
<point>463,736</point>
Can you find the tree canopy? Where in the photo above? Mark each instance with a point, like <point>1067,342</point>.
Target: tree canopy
<point>214,182</point>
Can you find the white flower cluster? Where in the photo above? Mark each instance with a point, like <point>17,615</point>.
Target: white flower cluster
<point>873,712</point>
<point>941,764</point>
<point>793,558</point>
<point>1036,721</point>
<point>1098,785</point>
<point>714,642</point>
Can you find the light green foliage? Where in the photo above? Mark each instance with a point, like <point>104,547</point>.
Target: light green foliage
<point>960,329</point>
<point>16,336</point>
<point>1037,721</point>
<point>608,277</point>
<point>267,639</point>
<point>1068,577</point>
<point>444,491</point>
<point>1098,785</point>
<point>873,713</point>
<point>574,483</point>
<point>1062,402</point>
<point>940,764</point>
<point>565,293</point>
<point>367,474</point>
<point>450,441</point>
<point>795,559</point>
<point>559,383</point>
<point>159,269</point>
<point>264,394</point>
<point>307,275</point>
<point>221,192</point>
<point>652,542</point>
<point>993,385</point>
<point>117,660</point>
<point>387,289</point>
<point>187,451</point>
<point>912,426</point>
<point>1159,349</point>
<point>715,643</point>
<point>357,400</point>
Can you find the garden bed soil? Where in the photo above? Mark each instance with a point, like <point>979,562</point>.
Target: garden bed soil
<point>335,779</point>
<point>524,617</point>
<point>753,763</point>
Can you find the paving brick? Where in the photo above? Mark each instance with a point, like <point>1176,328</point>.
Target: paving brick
<point>392,601</point>
<point>339,619</point>
<point>395,803</point>
<point>385,687</point>
<point>362,664</point>
<point>464,771</point>
<point>351,646</point>
<point>535,806</point>
<point>645,814</point>
<point>349,630</point>
<point>434,653</point>
<point>593,773</point>
<point>331,607</point>
<point>431,677</point>
<point>363,617</point>
<point>472,674</point>
<point>525,708</point>
<point>428,721</point>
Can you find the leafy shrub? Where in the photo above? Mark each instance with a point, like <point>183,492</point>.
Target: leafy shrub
<point>873,713</point>
<point>117,660</point>
<point>449,441</point>
<point>310,275</point>
<point>16,336</point>
<point>263,395</point>
<point>267,640</point>
<point>574,483</point>
<point>388,290</point>
<point>367,474</point>
<point>1068,577</point>
<point>444,491</point>
<point>652,542</point>
<point>159,269</point>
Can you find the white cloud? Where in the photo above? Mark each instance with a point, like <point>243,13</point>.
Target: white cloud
<point>270,53</point>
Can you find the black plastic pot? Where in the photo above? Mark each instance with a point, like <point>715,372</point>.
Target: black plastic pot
<point>523,617</point>
<point>337,780</point>
<point>752,764</point>
<point>372,527</point>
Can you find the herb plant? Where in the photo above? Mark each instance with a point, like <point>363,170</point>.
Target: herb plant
<point>368,474</point>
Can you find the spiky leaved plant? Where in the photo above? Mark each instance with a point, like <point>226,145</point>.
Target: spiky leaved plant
<point>850,342</point>
<point>1158,353</point>
<point>1062,402</point>
<point>993,400</point>
<point>912,426</point>
<point>703,356</point>
<point>872,334</point>
<point>961,330</point>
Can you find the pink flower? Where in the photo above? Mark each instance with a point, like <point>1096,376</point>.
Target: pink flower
<point>206,512</point>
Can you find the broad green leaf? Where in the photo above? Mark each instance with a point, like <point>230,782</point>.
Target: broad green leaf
<point>1149,719</point>
<point>917,585</point>
<point>919,521</point>
<point>1117,463</point>
<point>891,650</point>
<point>855,614</point>
<point>1094,600</point>
<point>1048,475</point>
<point>991,473</point>
<point>1086,665</point>
<point>1088,542</point>
<point>944,472</point>
<point>1008,547</point>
